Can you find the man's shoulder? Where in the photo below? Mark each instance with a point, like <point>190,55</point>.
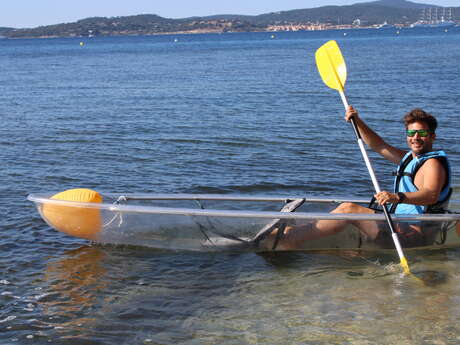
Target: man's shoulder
<point>432,162</point>
<point>433,165</point>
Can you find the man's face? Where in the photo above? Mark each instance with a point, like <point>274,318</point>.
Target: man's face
<point>417,143</point>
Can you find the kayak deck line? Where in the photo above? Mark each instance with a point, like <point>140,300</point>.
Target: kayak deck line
<point>240,197</point>
<point>230,197</point>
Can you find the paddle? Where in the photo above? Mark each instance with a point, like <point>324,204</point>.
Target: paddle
<point>333,71</point>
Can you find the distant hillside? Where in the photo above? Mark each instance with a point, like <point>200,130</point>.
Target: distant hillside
<point>400,4</point>
<point>146,24</point>
<point>369,13</point>
<point>5,31</point>
<point>375,12</point>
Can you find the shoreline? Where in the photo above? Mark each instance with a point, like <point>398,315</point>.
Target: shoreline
<point>208,31</point>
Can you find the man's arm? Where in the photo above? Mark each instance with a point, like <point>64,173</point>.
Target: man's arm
<point>373,140</point>
<point>429,180</point>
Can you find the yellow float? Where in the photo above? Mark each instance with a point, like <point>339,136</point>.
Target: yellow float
<point>77,221</point>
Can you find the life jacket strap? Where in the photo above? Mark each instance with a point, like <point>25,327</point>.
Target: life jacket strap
<point>401,174</point>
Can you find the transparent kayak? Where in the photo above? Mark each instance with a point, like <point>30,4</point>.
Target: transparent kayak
<point>207,222</point>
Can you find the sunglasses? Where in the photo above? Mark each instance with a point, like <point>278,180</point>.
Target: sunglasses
<point>421,132</point>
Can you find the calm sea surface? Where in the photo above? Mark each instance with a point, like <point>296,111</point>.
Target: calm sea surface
<point>230,113</point>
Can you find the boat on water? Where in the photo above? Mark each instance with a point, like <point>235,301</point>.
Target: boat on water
<point>433,24</point>
<point>209,222</point>
<point>435,18</point>
<point>385,25</point>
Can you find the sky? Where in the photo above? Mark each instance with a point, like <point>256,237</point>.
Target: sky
<point>33,13</point>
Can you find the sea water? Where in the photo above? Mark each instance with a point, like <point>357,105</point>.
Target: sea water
<point>232,113</point>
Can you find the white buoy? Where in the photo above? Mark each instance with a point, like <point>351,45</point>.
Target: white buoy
<point>344,33</point>
<point>82,44</point>
<point>176,40</point>
<point>273,36</point>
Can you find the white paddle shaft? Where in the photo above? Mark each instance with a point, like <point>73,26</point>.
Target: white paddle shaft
<point>374,179</point>
<point>363,150</point>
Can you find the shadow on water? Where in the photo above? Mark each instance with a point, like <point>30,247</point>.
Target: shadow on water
<point>364,264</point>
<point>433,273</point>
<point>432,278</point>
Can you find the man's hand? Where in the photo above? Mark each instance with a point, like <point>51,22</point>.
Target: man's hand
<point>386,197</point>
<point>351,112</point>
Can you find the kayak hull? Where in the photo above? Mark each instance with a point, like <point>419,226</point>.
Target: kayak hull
<point>220,222</point>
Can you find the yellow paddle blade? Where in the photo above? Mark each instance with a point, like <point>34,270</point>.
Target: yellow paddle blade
<point>331,65</point>
<point>405,266</point>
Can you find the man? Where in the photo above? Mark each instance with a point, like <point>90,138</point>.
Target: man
<point>422,184</point>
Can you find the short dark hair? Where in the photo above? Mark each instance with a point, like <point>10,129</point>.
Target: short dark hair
<point>419,115</point>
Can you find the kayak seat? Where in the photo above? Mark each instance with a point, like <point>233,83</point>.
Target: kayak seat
<point>280,224</point>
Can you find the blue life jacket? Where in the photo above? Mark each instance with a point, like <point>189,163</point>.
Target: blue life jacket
<point>404,182</point>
